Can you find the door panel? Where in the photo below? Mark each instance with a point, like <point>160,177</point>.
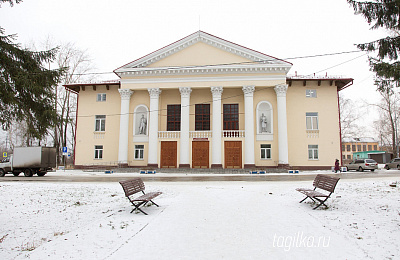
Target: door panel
<point>200,154</point>
<point>233,154</point>
<point>168,154</point>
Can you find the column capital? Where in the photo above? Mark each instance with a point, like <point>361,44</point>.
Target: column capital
<point>217,91</point>
<point>185,91</point>
<point>154,92</point>
<point>125,93</point>
<point>248,90</point>
<point>281,90</point>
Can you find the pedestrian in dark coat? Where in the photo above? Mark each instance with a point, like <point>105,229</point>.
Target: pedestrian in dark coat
<point>337,166</point>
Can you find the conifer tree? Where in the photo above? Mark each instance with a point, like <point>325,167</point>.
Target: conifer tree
<point>382,14</point>
<point>26,86</point>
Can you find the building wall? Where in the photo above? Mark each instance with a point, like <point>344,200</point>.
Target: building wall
<point>86,137</point>
<point>328,135</point>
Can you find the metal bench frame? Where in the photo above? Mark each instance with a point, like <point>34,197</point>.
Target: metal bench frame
<point>323,182</point>
<point>134,186</point>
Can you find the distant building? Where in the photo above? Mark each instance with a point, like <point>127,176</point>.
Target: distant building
<point>359,144</point>
<point>204,102</point>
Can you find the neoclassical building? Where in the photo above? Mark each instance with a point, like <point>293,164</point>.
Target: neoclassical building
<point>204,102</point>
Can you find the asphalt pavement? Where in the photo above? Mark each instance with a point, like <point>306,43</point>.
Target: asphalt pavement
<point>82,176</point>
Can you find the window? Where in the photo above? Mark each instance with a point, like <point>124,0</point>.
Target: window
<point>364,147</point>
<point>100,124</point>
<point>353,147</point>
<point>375,147</point>
<point>231,116</point>
<point>311,93</point>
<point>313,152</point>
<point>312,121</point>
<point>349,157</point>
<point>348,148</point>
<point>98,152</point>
<point>202,117</point>
<point>369,147</point>
<point>343,147</point>
<point>173,117</point>
<point>265,151</point>
<point>101,97</point>
<point>359,147</point>
<point>139,151</point>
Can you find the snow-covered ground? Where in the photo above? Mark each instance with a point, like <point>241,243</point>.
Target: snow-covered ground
<point>199,220</point>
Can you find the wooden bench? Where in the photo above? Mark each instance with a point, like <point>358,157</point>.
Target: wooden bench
<point>322,182</point>
<point>134,186</point>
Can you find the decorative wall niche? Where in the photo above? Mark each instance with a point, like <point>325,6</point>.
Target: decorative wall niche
<point>265,121</point>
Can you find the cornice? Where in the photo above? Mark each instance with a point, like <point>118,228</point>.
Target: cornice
<point>202,79</point>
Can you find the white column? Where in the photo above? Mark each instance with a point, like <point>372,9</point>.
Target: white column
<point>249,126</point>
<point>282,123</point>
<point>184,143</point>
<point>216,127</point>
<point>153,127</point>
<point>124,126</point>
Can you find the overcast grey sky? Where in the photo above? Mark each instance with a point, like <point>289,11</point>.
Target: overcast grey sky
<point>119,31</point>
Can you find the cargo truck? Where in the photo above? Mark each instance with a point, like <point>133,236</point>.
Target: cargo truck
<point>29,160</point>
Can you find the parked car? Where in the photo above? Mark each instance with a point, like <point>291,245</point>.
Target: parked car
<point>362,164</point>
<point>395,163</point>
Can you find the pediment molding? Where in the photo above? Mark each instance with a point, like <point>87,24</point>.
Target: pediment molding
<point>262,62</point>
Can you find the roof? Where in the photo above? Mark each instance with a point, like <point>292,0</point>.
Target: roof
<point>75,87</point>
<point>359,140</point>
<point>259,59</point>
<point>340,82</point>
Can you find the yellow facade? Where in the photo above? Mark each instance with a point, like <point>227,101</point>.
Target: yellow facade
<point>188,71</point>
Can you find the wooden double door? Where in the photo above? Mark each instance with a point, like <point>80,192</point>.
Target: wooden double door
<point>168,154</point>
<point>233,154</point>
<point>200,154</point>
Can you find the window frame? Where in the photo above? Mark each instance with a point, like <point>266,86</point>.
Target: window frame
<point>231,117</point>
<point>100,123</point>
<point>267,152</point>
<point>314,149</point>
<point>139,152</point>
<point>101,97</point>
<point>202,117</point>
<point>311,93</point>
<point>311,120</point>
<point>98,152</point>
<point>174,117</point>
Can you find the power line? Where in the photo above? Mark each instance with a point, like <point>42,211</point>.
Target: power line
<point>227,64</point>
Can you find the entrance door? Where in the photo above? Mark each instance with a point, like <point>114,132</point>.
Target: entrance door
<point>233,154</point>
<point>168,154</point>
<point>200,154</point>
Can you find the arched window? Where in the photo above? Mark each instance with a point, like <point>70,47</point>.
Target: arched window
<point>264,121</point>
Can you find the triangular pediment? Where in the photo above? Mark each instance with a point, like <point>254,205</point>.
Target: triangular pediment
<point>202,50</point>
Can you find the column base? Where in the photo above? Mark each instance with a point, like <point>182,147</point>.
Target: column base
<point>152,165</point>
<point>216,166</point>
<point>123,165</point>
<point>184,165</point>
<point>249,166</point>
<point>284,166</point>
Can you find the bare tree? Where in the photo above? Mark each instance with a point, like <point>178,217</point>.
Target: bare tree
<point>389,108</point>
<point>349,115</point>
<point>79,65</point>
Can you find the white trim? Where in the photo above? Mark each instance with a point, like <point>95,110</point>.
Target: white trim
<point>202,79</point>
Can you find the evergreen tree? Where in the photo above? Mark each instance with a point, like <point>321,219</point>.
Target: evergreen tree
<point>26,87</point>
<point>382,14</point>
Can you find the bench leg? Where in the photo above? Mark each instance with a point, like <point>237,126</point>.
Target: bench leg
<point>306,198</point>
<point>322,202</point>
<point>138,205</point>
